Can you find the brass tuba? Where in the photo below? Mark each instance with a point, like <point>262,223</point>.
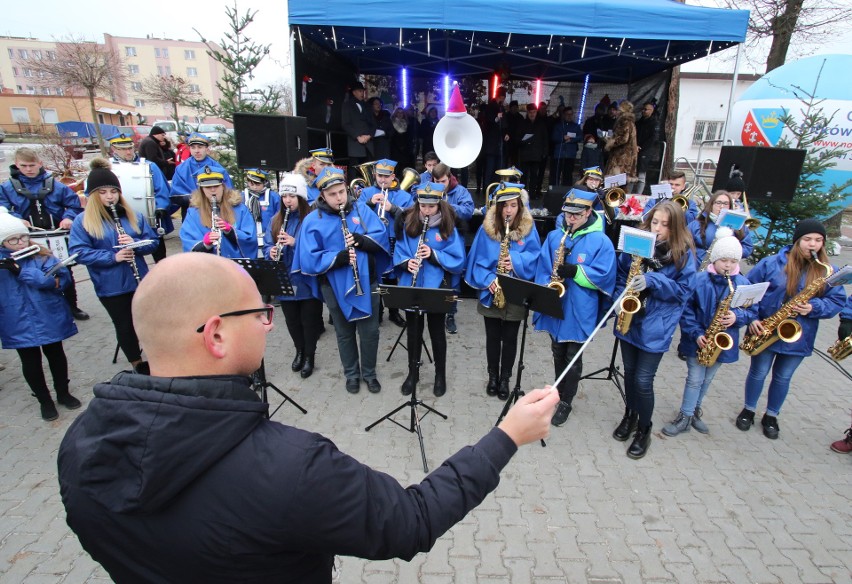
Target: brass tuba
<point>365,179</point>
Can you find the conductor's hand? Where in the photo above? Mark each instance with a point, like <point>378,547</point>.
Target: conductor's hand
<point>529,418</point>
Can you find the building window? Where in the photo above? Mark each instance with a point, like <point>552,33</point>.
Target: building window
<point>15,71</point>
<point>51,55</point>
<point>129,51</point>
<point>157,52</point>
<point>19,89</point>
<point>49,116</point>
<point>30,90</point>
<point>23,54</point>
<point>136,86</point>
<point>36,54</point>
<point>195,88</point>
<point>28,72</point>
<point>133,69</point>
<point>140,103</point>
<point>101,119</point>
<point>191,72</point>
<point>160,70</point>
<point>20,115</point>
<point>165,53</point>
<point>60,91</point>
<point>11,53</point>
<point>45,91</point>
<point>189,54</point>
<point>168,70</point>
<point>707,130</point>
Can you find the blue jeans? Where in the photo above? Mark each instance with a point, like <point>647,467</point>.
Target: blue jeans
<point>698,379</point>
<point>640,367</point>
<point>782,372</point>
<point>368,333</point>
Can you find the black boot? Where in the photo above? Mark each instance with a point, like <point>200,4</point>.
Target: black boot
<point>641,442</point>
<point>394,317</point>
<point>411,381</point>
<point>298,361</point>
<point>66,399</point>
<point>627,425</point>
<point>440,383</point>
<point>307,367</point>
<point>503,389</point>
<point>493,380</point>
<point>48,408</point>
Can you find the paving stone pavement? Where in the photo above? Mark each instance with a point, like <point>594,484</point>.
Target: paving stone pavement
<point>730,506</point>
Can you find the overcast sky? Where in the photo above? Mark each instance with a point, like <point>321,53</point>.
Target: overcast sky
<point>176,19</point>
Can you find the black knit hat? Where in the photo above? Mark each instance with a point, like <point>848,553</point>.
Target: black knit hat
<point>736,183</point>
<point>156,130</point>
<point>101,176</point>
<point>806,226</point>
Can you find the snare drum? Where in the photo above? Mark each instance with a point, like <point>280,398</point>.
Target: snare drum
<point>56,241</point>
<point>137,188</point>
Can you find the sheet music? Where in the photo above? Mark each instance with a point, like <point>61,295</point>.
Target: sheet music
<point>749,294</point>
<point>733,219</point>
<point>841,277</point>
<point>661,191</point>
<point>637,241</point>
<point>615,180</point>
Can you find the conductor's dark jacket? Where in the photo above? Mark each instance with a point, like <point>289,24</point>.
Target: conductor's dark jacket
<point>186,480</point>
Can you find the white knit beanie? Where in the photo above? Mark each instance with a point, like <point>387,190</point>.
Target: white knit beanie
<point>728,247</point>
<point>10,225</point>
<point>294,184</point>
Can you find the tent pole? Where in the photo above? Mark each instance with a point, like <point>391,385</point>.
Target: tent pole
<point>733,88</point>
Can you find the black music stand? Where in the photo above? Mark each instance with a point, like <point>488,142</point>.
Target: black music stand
<point>613,372</point>
<point>271,280</point>
<point>398,342</point>
<point>532,297</point>
<point>422,300</point>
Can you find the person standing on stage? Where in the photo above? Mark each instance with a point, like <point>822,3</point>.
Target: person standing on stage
<point>429,248</point>
<point>185,179</point>
<point>388,203</point>
<point>788,272</point>
<point>124,153</point>
<point>358,122</point>
<point>303,310</point>
<point>345,246</point>
<point>115,274</point>
<point>35,196</point>
<point>587,271</point>
<point>234,234</point>
<point>261,201</point>
<point>565,137</point>
<point>498,250</point>
<point>664,286</point>
<point>532,139</point>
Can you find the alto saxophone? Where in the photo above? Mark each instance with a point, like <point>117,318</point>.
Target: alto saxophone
<point>717,339</point>
<point>120,230</point>
<point>841,348</point>
<point>780,325</point>
<point>630,304</point>
<point>420,242</point>
<point>499,301</point>
<point>555,280</point>
<point>358,290</point>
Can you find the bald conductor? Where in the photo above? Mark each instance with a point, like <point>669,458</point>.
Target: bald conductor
<point>180,477</point>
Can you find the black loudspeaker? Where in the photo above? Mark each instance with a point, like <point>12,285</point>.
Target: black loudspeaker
<point>554,197</point>
<point>269,141</point>
<point>770,174</point>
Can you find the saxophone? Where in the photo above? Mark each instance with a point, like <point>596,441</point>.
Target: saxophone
<point>841,348</point>
<point>420,242</point>
<point>780,325</point>
<point>630,304</point>
<point>717,339</point>
<point>555,280</point>
<point>500,300</point>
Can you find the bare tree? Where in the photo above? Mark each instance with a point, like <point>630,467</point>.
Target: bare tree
<point>82,66</point>
<point>172,91</point>
<point>809,21</point>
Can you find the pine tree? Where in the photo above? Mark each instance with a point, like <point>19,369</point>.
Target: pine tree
<point>812,198</point>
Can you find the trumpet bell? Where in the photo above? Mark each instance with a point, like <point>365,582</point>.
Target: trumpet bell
<point>752,223</point>
<point>457,140</point>
<point>615,197</point>
<point>682,201</point>
<point>558,286</point>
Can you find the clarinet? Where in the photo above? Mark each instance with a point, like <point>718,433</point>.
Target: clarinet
<point>280,246</point>
<point>120,230</point>
<point>214,215</point>
<point>358,290</point>
<point>419,243</point>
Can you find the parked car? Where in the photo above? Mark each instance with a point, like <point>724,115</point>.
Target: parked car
<point>215,132</point>
<point>136,133</point>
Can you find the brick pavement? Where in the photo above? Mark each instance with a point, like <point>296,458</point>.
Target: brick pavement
<point>727,507</point>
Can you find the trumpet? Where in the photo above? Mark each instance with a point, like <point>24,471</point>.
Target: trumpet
<point>752,222</point>
<point>358,290</point>
<point>684,198</point>
<point>214,225</point>
<point>381,208</point>
<point>555,280</point>
<point>120,230</point>
<point>419,259</point>
<point>26,252</point>
<point>279,247</point>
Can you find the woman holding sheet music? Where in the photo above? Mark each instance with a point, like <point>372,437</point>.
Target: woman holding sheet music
<point>96,235</point>
<point>791,271</point>
<point>663,285</point>
<point>704,227</point>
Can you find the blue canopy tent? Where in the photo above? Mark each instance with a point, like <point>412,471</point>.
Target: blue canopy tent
<point>616,41</point>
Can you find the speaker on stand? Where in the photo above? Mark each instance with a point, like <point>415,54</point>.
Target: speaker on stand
<point>270,141</point>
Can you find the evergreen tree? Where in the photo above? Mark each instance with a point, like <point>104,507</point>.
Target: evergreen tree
<point>811,198</point>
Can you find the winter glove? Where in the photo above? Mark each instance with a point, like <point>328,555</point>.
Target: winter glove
<point>207,241</point>
<point>226,227</point>
<point>639,283</point>
<point>12,266</point>
<point>567,271</point>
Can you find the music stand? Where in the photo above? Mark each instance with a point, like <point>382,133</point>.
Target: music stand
<point>271,280</point>
<point>531,296</point>
<point>402,332</point>
<point>438,300</point>
<point>613,372</point>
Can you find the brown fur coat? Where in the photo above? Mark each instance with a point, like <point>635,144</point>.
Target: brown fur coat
<point>622,146</point>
